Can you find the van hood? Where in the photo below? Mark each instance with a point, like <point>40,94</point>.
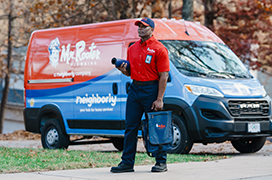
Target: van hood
<point>240,88</point>
<point>234,88</point>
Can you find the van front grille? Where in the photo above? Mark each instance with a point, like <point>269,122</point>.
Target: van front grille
<point>251,119</point>
<point>249,108</point>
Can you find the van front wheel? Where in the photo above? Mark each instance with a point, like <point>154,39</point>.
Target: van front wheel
<point>53,137</point>
<point>248,145</point>
<point>182,143</point>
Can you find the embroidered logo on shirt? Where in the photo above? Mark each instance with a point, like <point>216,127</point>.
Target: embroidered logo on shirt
<point>148,59</point>
<point>150,50</point>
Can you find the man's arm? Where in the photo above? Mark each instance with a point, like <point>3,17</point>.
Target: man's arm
<point>158,104</point>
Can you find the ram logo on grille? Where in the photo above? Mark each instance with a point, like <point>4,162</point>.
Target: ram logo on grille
<point>246,106</point>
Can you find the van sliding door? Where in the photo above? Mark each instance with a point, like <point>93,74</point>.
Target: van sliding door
<point>97,90</point>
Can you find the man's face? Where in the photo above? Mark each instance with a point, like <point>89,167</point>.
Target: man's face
<point>144,31</point>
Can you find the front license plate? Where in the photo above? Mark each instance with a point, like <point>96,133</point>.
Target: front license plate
<point>253,127</point>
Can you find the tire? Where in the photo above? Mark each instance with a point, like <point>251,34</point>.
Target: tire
<point>118,143</point>
<point>53,137</point>
<point>182,143</point>
<point>248,145</point>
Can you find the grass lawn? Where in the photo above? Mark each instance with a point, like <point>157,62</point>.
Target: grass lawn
<point>15,160</point>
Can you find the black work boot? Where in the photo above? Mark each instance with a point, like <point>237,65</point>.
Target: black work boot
<point>159,167</point>
<point>122,168</point>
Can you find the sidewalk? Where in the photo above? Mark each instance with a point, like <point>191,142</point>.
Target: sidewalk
<point>238,167</point>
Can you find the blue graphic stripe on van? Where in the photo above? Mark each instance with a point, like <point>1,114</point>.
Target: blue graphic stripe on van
<point>67,89</point>
<point>63,100</point>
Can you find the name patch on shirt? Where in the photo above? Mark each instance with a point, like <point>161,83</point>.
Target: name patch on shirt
<point>148,59</point>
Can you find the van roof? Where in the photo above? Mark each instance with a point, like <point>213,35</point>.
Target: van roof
<point>165,29</point>
<point>176,29</point>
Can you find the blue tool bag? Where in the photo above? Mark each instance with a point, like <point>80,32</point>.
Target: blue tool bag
<point>157,132</point>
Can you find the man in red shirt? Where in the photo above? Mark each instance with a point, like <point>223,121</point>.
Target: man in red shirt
<point>149,67</point>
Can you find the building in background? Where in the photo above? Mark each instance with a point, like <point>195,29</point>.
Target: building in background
<point>15,103</point>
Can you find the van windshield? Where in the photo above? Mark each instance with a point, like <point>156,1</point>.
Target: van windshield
<point>205,59</point>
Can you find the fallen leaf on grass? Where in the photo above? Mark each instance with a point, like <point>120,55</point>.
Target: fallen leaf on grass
<point>82,155</point>
<point>92,165</point>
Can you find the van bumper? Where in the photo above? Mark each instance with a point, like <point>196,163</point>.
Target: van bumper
<point>222,119</point>
<point>31,119</point>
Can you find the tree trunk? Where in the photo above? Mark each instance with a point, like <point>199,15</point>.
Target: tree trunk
<point>188,10</point>
<point>152,5</point>
<point>123,6</point>
<point>170,9</point>
<point>7,77</point>
<point>113,10</point>
<point>209,13</point>
<point>133,8</point>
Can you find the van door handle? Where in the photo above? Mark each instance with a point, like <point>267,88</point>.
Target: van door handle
<point>114,88</point>
<point>127,86</point>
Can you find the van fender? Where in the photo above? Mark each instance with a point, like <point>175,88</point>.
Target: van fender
<point>181,108</point>
<point>50,112</point>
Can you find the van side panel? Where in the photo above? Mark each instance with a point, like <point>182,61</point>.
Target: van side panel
<point>81,81</point>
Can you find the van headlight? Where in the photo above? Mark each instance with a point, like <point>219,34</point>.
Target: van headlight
<point>203,90</point>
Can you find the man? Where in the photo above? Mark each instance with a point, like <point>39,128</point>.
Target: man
<point>149,67</point>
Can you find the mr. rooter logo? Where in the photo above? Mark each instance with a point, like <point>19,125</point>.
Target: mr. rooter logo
<point>76,57</point>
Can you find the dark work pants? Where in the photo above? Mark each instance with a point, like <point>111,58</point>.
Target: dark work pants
<point>140,99</point>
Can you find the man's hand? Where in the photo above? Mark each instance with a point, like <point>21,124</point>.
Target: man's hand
<point>123,69</point>
<point>157,105</point>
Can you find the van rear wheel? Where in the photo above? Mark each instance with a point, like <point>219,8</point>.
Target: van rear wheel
<point>118,143</point>
<point>182,143</point>
<point>53,137</point>
<point>248,145</point>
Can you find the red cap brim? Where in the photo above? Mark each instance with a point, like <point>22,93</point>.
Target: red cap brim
<point>137,22</point>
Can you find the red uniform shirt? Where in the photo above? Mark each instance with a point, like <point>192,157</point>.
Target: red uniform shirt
<point>147,60</point>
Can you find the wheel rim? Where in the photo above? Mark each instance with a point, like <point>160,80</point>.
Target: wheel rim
<point>52,136</point>
<point>176,136</point>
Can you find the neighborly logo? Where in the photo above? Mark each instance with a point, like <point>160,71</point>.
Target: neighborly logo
<point>160,126</point>
<point>80,56</point>
<point>96,99</point>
